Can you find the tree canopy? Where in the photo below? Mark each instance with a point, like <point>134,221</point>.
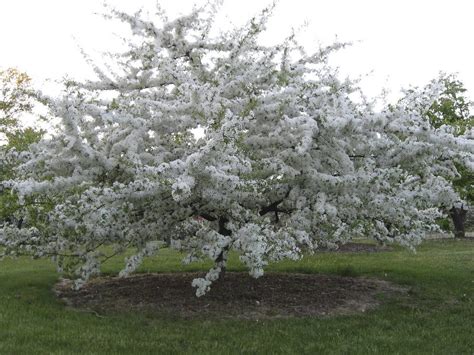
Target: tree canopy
<point>453,108</point>
<point>17,97</point>
<point>287,163</point>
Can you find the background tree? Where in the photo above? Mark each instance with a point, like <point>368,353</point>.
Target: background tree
<point>287,164</point>
<point>453,108</point>
<point>17,98</point>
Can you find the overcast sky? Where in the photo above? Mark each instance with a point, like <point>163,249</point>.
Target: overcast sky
<point>397,42</point>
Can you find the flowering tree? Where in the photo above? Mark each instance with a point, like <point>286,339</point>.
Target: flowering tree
<point>287,161</point>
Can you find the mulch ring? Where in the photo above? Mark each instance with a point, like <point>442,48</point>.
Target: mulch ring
<point>237,295</point>
<point>352,247</point>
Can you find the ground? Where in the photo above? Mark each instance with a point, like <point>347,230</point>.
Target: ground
<point>235,295</point>
<point>435,315</point>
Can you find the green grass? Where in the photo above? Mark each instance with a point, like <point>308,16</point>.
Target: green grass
<point>437,316</point>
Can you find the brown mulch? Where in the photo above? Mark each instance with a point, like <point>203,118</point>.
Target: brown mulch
<point>237,295</point>
<point>352,247</point>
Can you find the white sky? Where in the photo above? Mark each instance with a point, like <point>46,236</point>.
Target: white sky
<point>398,42</point>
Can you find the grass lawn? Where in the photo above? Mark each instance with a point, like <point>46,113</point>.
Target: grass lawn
<point>437,316</point>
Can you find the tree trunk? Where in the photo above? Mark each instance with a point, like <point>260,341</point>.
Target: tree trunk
<point>221,260</point>
<point>458,215</point>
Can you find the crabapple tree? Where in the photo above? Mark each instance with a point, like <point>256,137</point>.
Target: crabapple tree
<point>286,161</point>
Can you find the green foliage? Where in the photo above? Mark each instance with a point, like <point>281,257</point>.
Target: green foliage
<point>452,108</point>
<point>445,224</point>
<point>22,138</point>
<point>16,98</point>
<point>465,184</point>
<point>8,204</point>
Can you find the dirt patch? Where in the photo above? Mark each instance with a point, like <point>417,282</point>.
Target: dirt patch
<point>237,295</point>
<point>352,247</point>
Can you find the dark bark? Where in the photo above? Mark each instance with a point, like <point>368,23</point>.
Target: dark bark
<point>222,229</point>
<point>221,259</point>
<point>458,215</point>
<point>273,207</point>
<point>207,217</point>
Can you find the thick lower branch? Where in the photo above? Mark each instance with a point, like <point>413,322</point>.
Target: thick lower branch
<point>222,229</point>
